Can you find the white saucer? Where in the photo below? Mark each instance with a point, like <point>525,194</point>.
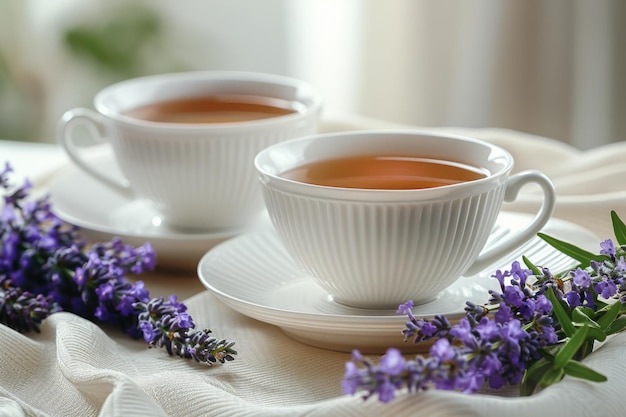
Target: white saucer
<point>254,275</point>
<point>102,213</point>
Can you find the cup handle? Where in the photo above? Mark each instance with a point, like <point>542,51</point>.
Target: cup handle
<point>96,127</point>
<point>516,182</point>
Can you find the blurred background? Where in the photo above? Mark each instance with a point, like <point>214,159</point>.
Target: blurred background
<point>551,68</point>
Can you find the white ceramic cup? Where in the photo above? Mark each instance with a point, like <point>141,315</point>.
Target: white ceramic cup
<point>199,176</point>
<point>378,248</point>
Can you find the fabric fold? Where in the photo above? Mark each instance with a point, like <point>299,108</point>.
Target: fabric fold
<point>77,368</point>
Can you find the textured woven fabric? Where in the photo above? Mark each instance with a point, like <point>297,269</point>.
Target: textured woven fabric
<point>75,368</point>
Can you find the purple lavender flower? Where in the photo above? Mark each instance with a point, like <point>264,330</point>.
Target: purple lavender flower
<point>392,363</point>
<point>383,379</point>
<point>520,274</point>
<point>463,330</point>
<point>488,351</point>
<point>503,314</point>
<point>46,267</point>
<point>608,248</point>
<point>442,350</point>
<point>149,330</point>
<point>498,350</point>
<point>422,329</point>
<point>581,278</point>
<point>606,287</point>
<point>573,299</point>
<point>167,324</point>
<point>352,377</point>
<point>465,356</point>
<point>406,308</point>
<point>24,311</point>
<point>513,296</point>
<point>621,265</point>
<point>501,276</point>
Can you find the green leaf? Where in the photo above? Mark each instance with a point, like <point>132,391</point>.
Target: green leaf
<point>619,228</point>
<point>585,349</point>
<point>616,326</point>
<point>562,316</point>
<point>551,376</point>
<point>573,251</point>
<point>609,316</point>
<point>589,312</point>
<point>581,318</point>
<point>569,349</point>
<point>579,370</point>
<point>533,375</point>
<point>549,351</point>
<point>536,271</point>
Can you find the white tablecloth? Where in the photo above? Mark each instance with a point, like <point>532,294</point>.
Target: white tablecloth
<point>75,368</point>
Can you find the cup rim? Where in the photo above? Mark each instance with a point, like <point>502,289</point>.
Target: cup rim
<point>276,181</point>
<point>306,89</point>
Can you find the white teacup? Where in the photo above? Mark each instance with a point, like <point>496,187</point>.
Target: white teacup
<point>199,173</point>
<point>377,248</point>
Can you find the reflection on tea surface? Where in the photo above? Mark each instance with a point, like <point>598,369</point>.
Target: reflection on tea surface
<point>213,109</point>
<point>384,172</point>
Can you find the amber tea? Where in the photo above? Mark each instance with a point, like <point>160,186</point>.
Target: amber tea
<point>384,172</point>
<point>213,109</point>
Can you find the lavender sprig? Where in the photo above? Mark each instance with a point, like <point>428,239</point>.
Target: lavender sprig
<point>532,332</point>
<point>45,267</point>
<point>24,311</point>
<point>478,350</point>
<point>167,324</point>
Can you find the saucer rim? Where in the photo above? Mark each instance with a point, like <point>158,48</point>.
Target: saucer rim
<point>316,320</point>
<point>73,174</point>
<point>370,334</point>
<point>282,314</point>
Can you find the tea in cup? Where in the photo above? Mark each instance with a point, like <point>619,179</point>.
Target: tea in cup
<point>377,218</point>
<point>187,141</point>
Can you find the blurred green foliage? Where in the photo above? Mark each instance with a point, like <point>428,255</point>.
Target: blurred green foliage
<point>118,45</point>
<point>20,109</point>
<point>124,40</point>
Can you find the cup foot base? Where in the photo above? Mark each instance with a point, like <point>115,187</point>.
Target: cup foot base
<point>379,305</point>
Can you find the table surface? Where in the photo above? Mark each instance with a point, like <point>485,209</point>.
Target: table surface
<point>96,371</point>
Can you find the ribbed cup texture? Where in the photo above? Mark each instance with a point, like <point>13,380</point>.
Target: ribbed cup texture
<point>200,181</point>
<point>382,254</point>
